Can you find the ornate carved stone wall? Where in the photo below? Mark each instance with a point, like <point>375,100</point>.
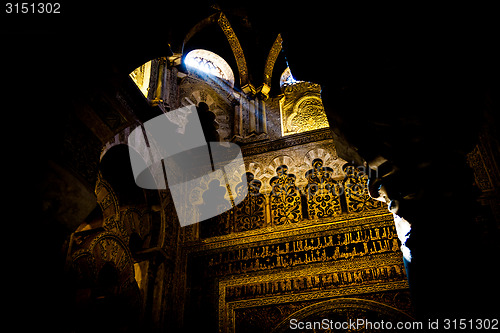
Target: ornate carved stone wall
<point>302,109</point>
<point>346,255</point>
<point>307,233</point>
<point>127,254</point>
<point>305,237</point>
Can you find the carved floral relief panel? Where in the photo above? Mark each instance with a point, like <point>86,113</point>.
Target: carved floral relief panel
<point>302,109</point>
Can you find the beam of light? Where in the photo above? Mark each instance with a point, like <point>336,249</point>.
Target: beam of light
<point>209,63</point>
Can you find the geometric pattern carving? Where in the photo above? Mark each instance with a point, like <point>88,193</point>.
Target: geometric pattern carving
<point>323,281</point>
<point>308,114</point>
<point>271,59</point>
<point>288,203</point>
<point>340,246</point>
<point>250,213</point>
<point>285,198</point>
<point>302,109</point>
<point>138,223</point>
<point>356,191</point>
<point>323,192</point>
<point>361,258</point>
<point>235,47</point>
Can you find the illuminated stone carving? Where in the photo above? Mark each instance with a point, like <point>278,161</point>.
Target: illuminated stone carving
<point>251,212</point>
<point>271,60</point>
<point>236,48</point>
<point>141,76</point>
<point>356,191</point>
<point>285,198</point>
<point>301,108</point>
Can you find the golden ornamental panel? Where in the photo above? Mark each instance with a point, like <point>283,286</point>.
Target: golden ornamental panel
<point>288,204</point>
<point>356,191</point>
<point>235,47</point>
<point>271,59</point>
<point>364,275</point>
<point>285,198</point>
<point>303,250</point>
<point>323,192</point>
<point>250,213</point>
<point>338,223</point>
<point>302,109</point>
<point>339,244</point>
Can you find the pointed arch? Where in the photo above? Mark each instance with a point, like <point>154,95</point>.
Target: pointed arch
<point>200,26</point>
<point>236,48</point>
<point>231,37</point>
<point>271,60</point>
<point>339,306</point>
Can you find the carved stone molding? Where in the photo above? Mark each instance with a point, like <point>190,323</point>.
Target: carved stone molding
<point>360,276</point>
<point>312,228</point>
<point>285,142</point>
<point>236,48</point>
<point>271,59</point>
